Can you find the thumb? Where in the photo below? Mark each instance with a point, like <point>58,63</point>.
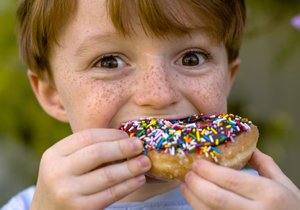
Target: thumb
<point>266,167</point>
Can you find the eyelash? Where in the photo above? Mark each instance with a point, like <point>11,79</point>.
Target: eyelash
<point>207,55</point>
<point>116,56</point>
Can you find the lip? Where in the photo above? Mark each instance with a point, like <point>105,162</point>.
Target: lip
<point>166,117</point>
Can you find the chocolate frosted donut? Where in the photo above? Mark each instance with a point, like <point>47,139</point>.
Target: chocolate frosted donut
<point>173,145</point>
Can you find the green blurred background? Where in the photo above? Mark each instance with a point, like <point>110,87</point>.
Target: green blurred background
<point>267,91</point>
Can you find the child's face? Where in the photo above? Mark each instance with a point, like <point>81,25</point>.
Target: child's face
<point>103,78</point>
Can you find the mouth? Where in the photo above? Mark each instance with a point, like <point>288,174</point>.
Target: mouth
<point>199,119</point>
<point>186,118</point>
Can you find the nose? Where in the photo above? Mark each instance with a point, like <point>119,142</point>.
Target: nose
<point>156,88</point>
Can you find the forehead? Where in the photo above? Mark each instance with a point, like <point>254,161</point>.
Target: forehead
<point>90,18</point>
<point>93,12</point>
<point>156,17</point>
<point>99,15</point>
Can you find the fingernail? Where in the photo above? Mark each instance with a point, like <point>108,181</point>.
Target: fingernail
<point>136,145</point>
<point>144,161</point>
<point>188,176</point>
<point>141,178</point>
<point>196,165</point>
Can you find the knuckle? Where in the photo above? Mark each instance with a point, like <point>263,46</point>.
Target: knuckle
<point>108,175</point>
<point>275,196</point>
<point>85,135</point>
<point>79,204</point>
<point>113,194</point>
<point>47,155</point>
<point>216,199</point>
<point>268,158</point>
<point>94,153</point>
<point>50,176</point>
<point>48,168</point>
<point>122,148</point>
<point>132,171</point>
<point>138,165</point>
<point>63,194</point>
<point>231,181</point>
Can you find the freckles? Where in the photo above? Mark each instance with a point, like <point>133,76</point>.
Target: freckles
<point>205,91</point>
<point>107,94</point>
<point>104,101</point>
<point>112,94</point>
<point>68,87</point>
<point>214,91</point>
<point>158,77</point>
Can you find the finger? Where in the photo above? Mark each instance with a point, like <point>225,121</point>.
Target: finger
<point>214,196</point>
<point>228,179</point>
<point>111,175</point>
<point>95,155</point>
<point>85,138</point>
<point>113,194</point>
<point>266,167</point>
<point>192,199</point>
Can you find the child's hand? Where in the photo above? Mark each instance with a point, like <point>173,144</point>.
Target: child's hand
<point>210,186</point>
<point>81,172</point>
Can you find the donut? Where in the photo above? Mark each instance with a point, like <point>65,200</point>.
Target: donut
<point>173,145</point>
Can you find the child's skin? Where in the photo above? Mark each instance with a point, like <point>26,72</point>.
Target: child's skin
<point>99,164</point>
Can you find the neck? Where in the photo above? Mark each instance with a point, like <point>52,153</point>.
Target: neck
<point>152,188</point>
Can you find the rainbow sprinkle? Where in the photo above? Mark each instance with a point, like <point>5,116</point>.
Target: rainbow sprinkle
<point>195,134</point>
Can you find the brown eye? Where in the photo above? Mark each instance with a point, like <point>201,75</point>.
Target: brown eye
<point>110,62</point>
<point>192,59</point>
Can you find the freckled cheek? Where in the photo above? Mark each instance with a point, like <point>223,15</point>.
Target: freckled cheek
<point>97,104</point>
<point>208,94</point>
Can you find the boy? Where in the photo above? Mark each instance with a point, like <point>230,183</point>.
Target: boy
<point>97,63</point>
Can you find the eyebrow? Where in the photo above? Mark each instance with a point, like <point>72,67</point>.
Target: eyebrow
<point>90,41</point>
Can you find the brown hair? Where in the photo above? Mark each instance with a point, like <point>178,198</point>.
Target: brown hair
<point>39,24</point>
<point>41,21</point>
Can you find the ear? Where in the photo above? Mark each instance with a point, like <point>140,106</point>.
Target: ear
<point>233,70</point>
<point>47,96</point>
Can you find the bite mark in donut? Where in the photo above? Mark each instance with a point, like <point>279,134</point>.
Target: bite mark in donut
<point>173,145</point>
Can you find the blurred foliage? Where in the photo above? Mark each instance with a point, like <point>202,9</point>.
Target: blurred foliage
<point>21,117</point>
<point>265,16</point>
